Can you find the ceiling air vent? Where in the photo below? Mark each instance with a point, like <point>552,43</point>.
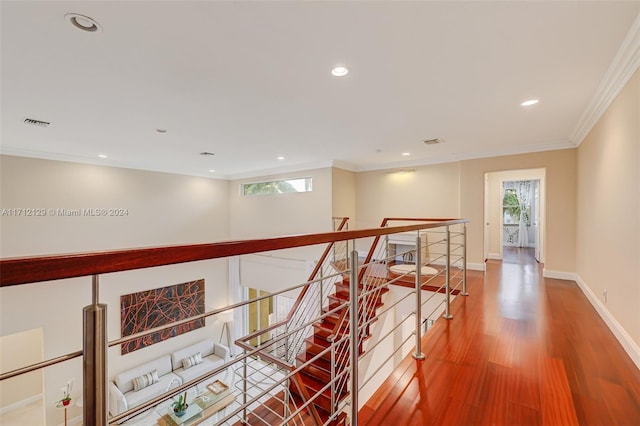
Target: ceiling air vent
<point>433,141</point>
<point>205,153</point>
<point>33,122</point>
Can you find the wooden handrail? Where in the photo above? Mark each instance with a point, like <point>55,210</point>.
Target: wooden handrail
<point>315,271</point>
<point>385,221</point>
<point>16,271</point>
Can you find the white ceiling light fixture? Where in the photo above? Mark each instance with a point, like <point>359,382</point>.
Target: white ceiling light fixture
<point>212,171</point>
<point>83,22</point>
<point>529,102</point>
<point>103,156</point>
<point>406,154</point>
<point>280,158</point>
<point>401,172</point>
<point>339,71</point>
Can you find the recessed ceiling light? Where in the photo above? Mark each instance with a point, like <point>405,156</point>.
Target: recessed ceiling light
<point>211,171</point>
<point>280,158</point>
<point>406,154</point>
<point>103,156</point>
<point>83,22</point>
<point>530,102</point>
<point>340,71</point>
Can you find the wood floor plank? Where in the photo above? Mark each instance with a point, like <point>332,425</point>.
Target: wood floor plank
<point>520,350</point>
<point>556,401</point>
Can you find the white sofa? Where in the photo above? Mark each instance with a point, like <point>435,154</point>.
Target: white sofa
<point>171,373</point>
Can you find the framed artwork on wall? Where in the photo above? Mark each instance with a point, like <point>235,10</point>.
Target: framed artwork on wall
<point>147,309</point>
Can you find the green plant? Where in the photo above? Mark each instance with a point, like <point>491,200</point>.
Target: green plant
<point>511,203</point>
<point>181,403</point>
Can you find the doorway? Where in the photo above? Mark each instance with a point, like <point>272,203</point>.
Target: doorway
<point>265,312</point>
<point>514,224</point>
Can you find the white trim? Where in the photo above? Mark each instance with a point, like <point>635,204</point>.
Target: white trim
<point>622,68</point>
<point>472,266</point>
<point>20,404</point>
<point>559,275</point>
<point>630,347</point>
<point>494,256</point>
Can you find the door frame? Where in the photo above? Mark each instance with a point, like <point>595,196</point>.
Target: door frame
<point>493,201</point>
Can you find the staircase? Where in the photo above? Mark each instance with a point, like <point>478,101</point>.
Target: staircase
<point>326,339</point>
<point>332,328</point>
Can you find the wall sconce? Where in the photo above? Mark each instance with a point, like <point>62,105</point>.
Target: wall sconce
<point>402,172</point>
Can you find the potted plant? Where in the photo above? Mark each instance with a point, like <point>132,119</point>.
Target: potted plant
<point>180,406</point>
<point>66,393</point>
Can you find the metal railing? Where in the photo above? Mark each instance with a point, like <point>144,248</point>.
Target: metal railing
<point>269,380</point>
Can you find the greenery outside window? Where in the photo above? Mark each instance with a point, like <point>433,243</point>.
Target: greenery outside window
<point>511,209</point>
<point>277,186</point>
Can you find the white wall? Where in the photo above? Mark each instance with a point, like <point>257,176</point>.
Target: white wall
<point>16,351</point>
<point>162,209</point>
<point>560,176</point>
<point>344,195</point>
<point>608,220</point>
<point>262,216</point>
<point>430,191</point>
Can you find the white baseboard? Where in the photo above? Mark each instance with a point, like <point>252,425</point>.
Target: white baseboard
<point>632,349</point>
<point>560,275</point>
<point>472,266</point>
<point>21,403</point>
<point>494,256</point>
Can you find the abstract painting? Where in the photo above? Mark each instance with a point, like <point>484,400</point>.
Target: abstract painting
<point>153,308</point>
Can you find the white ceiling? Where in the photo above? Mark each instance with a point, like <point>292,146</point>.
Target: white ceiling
<point>251,81</point>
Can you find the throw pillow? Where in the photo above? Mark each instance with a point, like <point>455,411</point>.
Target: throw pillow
<point>192,360</point>
<point>145,380</point>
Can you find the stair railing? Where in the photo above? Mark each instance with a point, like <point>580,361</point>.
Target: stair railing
<point>48,268</point>
<point>307,307</point>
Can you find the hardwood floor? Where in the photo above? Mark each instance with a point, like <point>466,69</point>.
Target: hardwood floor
<point>521,350</point>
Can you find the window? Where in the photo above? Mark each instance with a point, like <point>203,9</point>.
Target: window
<point>277,186</point>
<point>510,207</point>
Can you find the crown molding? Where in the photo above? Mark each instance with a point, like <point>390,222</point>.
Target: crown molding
<point>622,68</point>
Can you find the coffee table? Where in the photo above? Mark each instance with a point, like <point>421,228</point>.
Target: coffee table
<point>201,408</point>
<point>193,412</point>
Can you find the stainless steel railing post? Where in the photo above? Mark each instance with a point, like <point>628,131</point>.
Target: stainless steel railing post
<point>333,377</point>
<point>464,260</point>
<point>353,312</point>
<point>321,283</point>
<point>286,410</point>
<point>418,353</point>
<point>94,347</point>
<point>244,387</point>
<point>447,313</point>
